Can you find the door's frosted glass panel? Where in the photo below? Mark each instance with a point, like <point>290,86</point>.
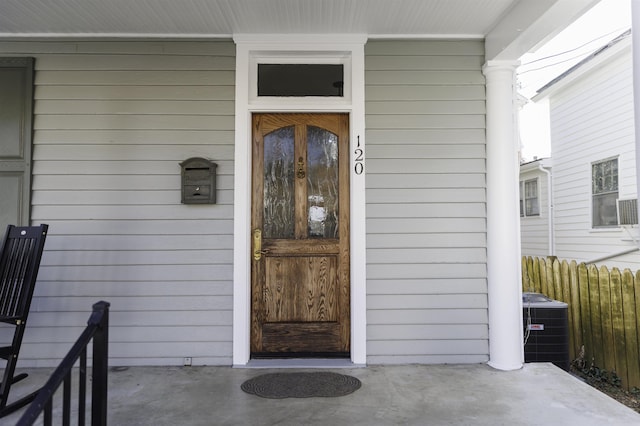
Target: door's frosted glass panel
<point>322,183</point>
<point>279,175</point>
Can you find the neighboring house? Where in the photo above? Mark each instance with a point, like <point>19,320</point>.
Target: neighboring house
<point>371,216</point>
<point>535,210</point>
<point>593,153</point>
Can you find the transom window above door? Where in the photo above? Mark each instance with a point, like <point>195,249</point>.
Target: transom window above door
<point>297,78</point>
<point>301,80</point>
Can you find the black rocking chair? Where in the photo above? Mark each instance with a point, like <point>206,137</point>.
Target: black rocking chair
<point>20,255</point>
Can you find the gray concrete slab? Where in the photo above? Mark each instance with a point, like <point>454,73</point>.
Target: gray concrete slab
<point>538,394</point>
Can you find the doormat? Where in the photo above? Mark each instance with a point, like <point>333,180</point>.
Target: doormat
<point>301,385</point>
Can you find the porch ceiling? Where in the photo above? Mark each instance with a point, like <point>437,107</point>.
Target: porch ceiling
<point>508,19</point>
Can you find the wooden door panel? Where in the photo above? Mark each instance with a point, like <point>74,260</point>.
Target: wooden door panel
<point>300,289</point>
<point>300,277</point>
<point>301,247</point>
<point>301,338</point>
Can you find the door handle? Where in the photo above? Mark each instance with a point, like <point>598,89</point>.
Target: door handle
<point>257,245</point>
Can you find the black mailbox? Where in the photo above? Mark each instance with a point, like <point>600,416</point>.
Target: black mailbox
<point>198,181</point>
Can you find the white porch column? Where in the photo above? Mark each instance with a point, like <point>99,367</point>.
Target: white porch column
<point>506,350</point>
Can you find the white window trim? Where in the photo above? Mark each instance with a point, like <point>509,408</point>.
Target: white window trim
<point>249,50</point>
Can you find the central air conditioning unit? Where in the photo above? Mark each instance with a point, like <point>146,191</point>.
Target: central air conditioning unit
<point>627,211</point>
<point>546,330</point>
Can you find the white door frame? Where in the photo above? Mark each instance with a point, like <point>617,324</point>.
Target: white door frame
<point>346,49</point>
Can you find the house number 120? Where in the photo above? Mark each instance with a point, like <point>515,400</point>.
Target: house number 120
<point>358,168</point>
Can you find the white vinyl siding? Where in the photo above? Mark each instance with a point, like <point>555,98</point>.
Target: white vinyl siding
<point>592,120</point>
<point>426,212</point>
<point>113,120</point>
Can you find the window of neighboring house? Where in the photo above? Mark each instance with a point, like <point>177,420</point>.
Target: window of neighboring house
<point>529,200</point>
<point>16,110</point>
<point>604,190</point>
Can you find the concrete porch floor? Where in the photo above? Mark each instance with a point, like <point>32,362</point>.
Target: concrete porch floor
<point>538,394</point>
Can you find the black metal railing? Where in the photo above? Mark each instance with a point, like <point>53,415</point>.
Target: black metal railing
<point>98,330</point>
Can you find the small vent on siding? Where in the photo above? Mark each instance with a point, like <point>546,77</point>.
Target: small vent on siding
<point>628,212</point>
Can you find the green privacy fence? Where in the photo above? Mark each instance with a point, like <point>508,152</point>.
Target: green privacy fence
<point>604,307</point>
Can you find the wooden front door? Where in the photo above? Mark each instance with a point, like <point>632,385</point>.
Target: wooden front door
<point>300,232</point>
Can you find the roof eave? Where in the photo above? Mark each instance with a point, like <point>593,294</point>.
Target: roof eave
<point>529,24</point>
<point>613,49</point>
